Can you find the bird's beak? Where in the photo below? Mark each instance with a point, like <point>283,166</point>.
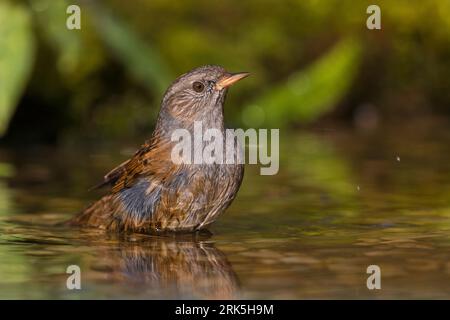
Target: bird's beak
<point>230,78</point>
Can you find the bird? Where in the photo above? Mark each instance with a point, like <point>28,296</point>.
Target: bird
<point>155,266</point>
<point>151,193</point>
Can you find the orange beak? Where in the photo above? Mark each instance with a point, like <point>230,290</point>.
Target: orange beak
<point>230,78</point>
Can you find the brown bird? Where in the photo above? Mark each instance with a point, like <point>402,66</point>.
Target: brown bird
<point>150,192</point>
<point>164,267</point>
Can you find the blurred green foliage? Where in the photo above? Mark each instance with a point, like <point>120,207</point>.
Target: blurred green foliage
<point>51,18</point>
<point>138,57</point>
<point>16,56</point>
<point>308,94</point>
<point>308,59</point>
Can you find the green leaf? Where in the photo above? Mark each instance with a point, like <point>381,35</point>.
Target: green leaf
<point>308,94</point>
<point>51,17</point>
<point>140,59</point>
<point>16,58</point>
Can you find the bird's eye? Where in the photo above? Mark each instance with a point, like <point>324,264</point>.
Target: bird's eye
<point>198,86</point>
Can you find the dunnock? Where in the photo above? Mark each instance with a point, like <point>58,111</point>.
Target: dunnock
<point>150,192</point>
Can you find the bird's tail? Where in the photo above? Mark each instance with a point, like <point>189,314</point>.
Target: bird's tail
<point>97,214</point>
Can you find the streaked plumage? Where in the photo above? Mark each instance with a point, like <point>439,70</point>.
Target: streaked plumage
<point>149,192</point>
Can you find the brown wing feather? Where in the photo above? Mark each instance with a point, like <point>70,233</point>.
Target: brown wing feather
<point>152,161</point>
<point>131,171</point>
<point>112,176</point>
<point>123,175</point>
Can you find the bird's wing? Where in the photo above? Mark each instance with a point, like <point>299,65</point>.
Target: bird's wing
<point>124,173</point>
<point>111,177</point>
<point>131,171</point>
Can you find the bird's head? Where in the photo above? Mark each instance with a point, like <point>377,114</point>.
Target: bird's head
<point>198,94</point>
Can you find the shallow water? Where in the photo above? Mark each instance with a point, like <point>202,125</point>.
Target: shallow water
<point>343,200</point>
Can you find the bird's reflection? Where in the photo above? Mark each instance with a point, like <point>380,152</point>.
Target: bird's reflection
<point>169,267</point>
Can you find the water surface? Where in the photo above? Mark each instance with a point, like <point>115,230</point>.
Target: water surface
<point>343,200</point>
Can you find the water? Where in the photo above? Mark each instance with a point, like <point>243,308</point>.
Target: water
<point>342,201</point>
